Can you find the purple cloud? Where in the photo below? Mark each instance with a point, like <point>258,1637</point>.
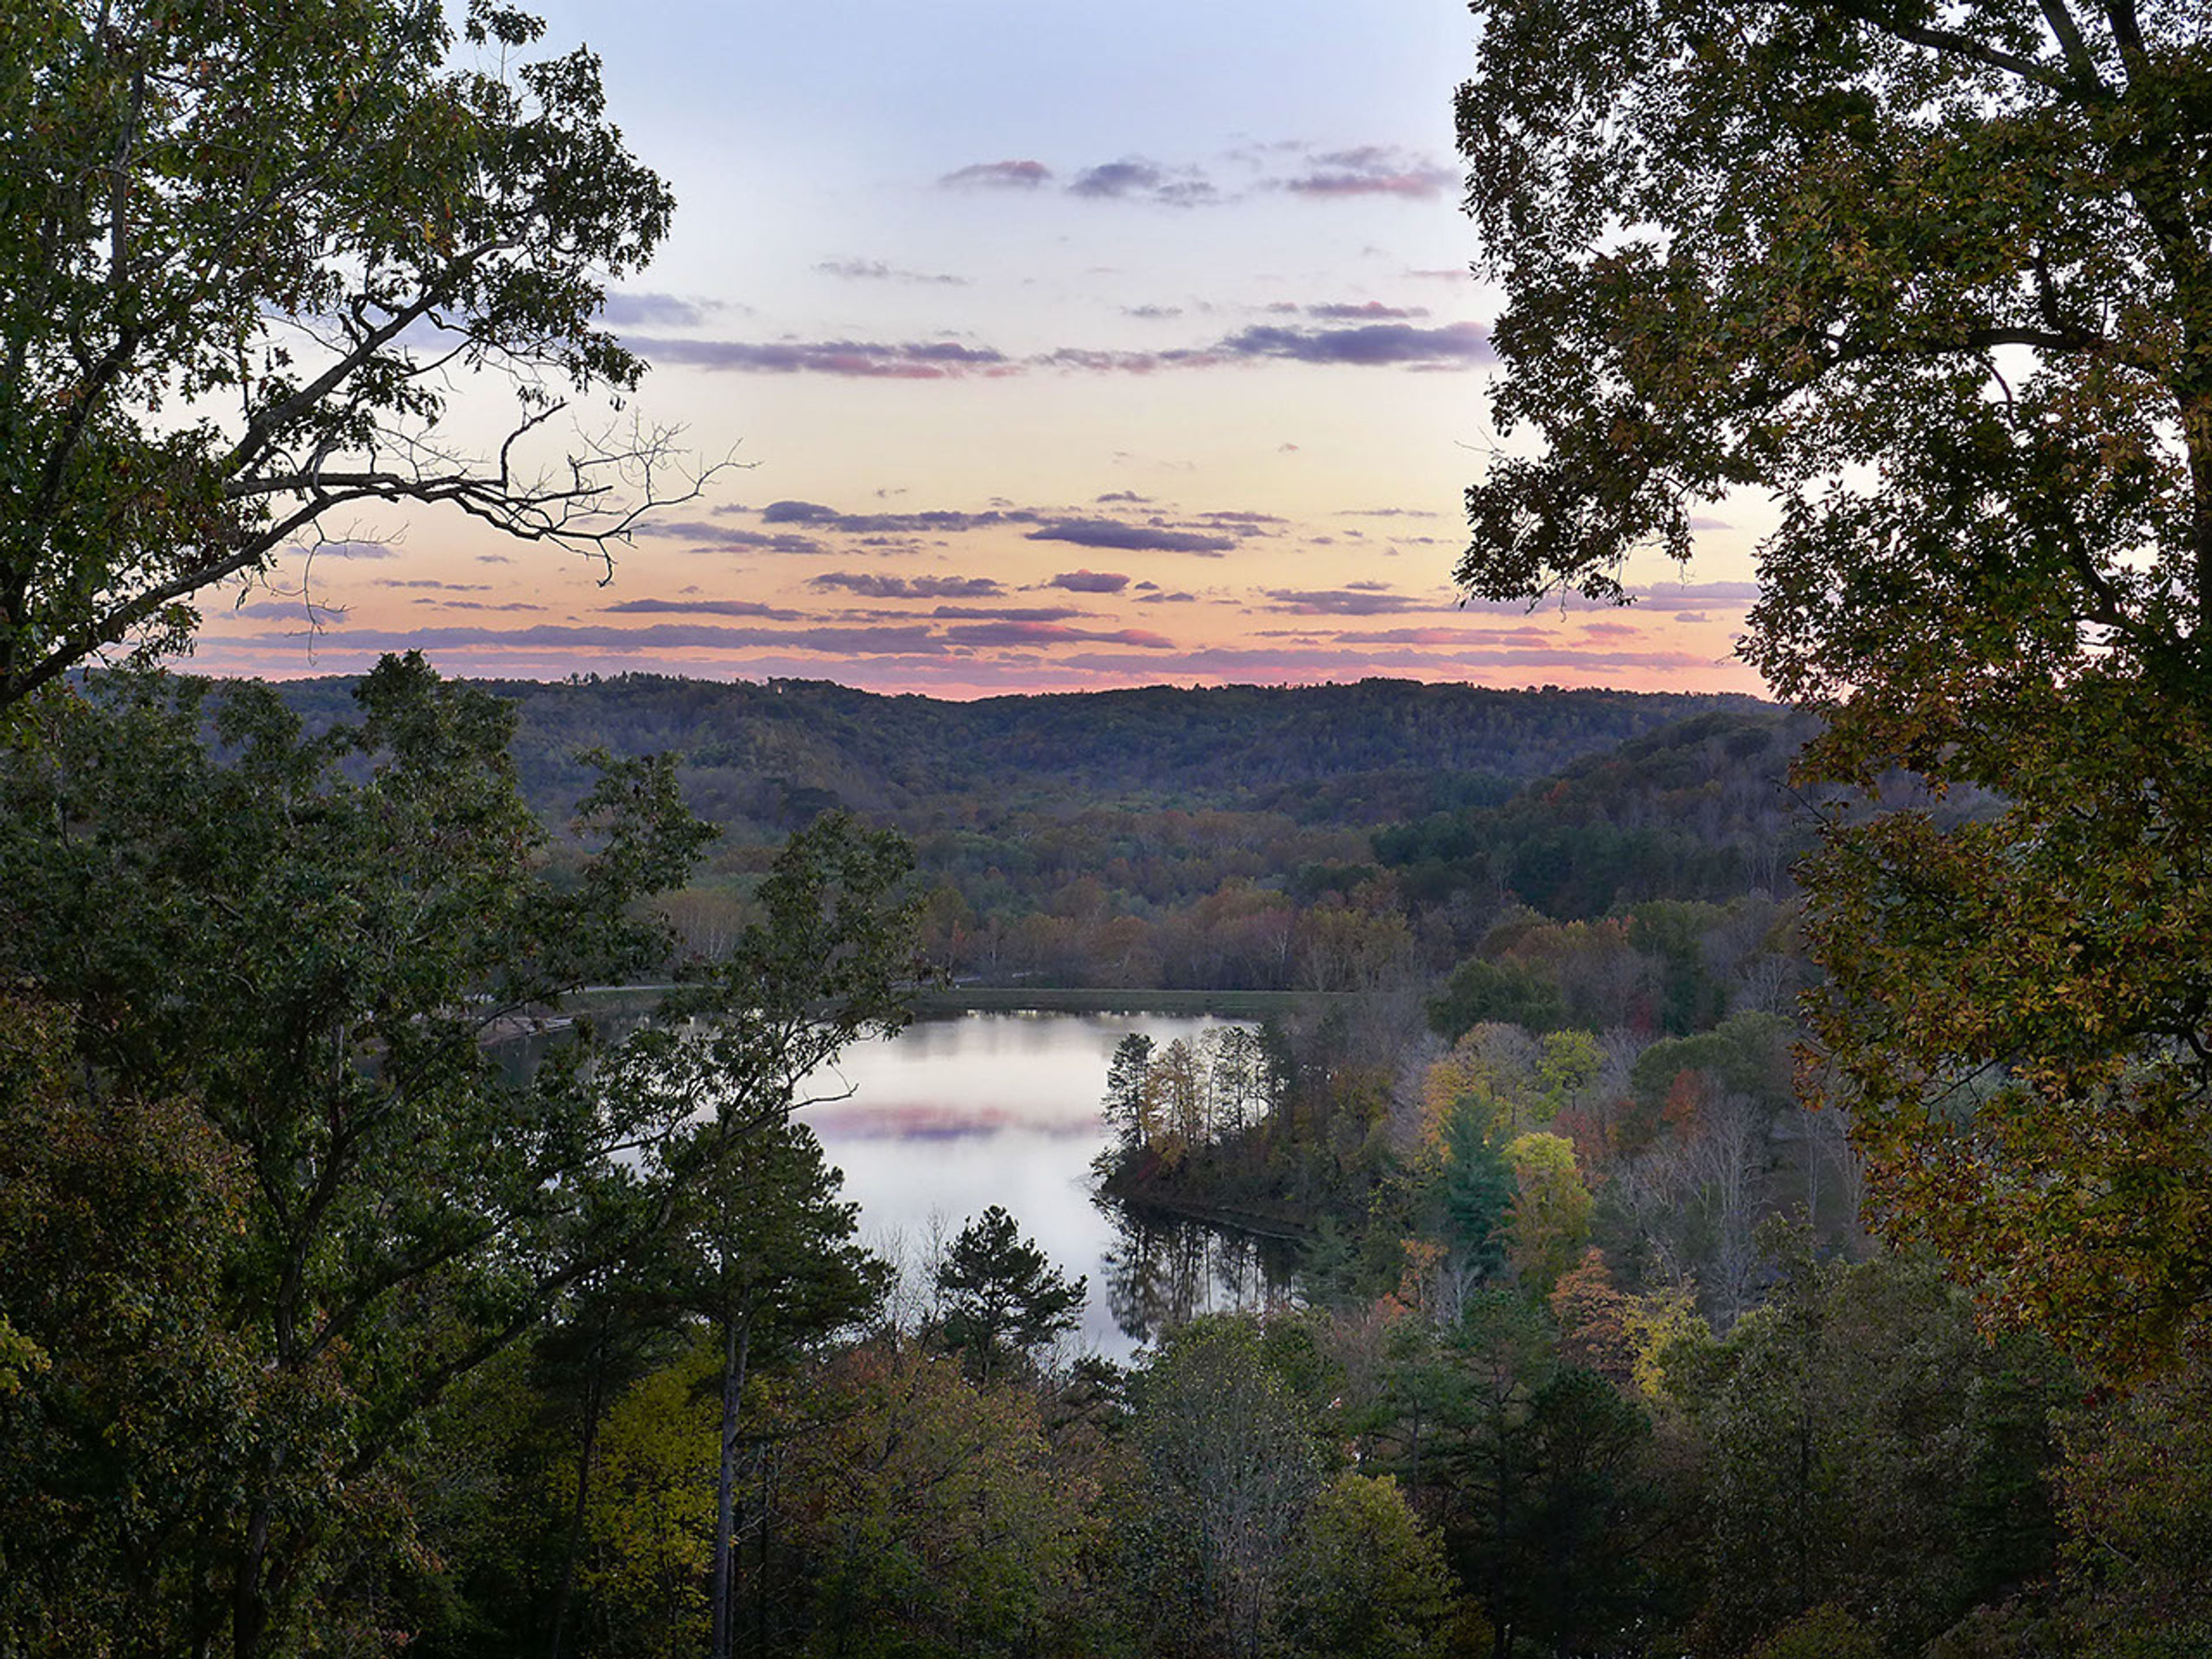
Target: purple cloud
<point>1090,581</point>
<point>1382,343</point>
<point>1117,178</point>
<point>1339,601</point>
<point>1133,179</point>
<point>1657,596</point>
<point>933,359</point>
<point>1370,170</point>
<point>682,529</point>
<point>726,535</point>
<point>1053,634</point>
<point>1247,522</point>
<point>875,270</point>
<point>708,608</point>
<point>355,550</point>
<point>1131,538</point>
<point>869,585</point>
<point>1021,613</point>
<point>1693,596</point>
<point>652,311</point>
<point>1368,311</point>
<point>798,513</point>
<point>1532,637</point>
<point>1126,363</point>
<point>1340,660</point>
<point>882,524</point>
<point>999,175</point>
<point>1374,345</point>
<point>782,544</point>
<point>904,640</point>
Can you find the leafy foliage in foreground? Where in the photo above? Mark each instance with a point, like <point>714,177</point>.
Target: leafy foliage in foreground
<point>268,1196</point>
<point>245,246</point>
<point>1939,280</point>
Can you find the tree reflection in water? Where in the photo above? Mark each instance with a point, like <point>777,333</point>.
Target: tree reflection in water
<point>1163,1269</point>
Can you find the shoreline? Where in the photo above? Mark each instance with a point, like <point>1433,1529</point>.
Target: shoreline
<point>952,1001</point>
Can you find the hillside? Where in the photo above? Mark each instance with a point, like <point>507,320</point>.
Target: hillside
<point>1697,810</point>
<point>775,754</point>
<point>1222,838</point>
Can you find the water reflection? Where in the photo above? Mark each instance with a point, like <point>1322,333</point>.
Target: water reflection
<point>954,1114</point>
<point>1162,1269</point>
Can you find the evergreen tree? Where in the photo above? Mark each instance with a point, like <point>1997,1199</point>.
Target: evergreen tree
<point>1003,1299</point>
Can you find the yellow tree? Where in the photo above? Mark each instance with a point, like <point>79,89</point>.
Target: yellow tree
<point>1550,1221</point>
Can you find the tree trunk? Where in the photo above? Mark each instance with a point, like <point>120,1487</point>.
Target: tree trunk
<point>737,1350</point>
<point>249,1607</point>
<point>593,1389</point>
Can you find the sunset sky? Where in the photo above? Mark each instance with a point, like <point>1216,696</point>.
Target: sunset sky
<point>1060,348</point>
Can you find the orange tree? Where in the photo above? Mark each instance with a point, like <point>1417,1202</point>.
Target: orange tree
<point>1938,279</point>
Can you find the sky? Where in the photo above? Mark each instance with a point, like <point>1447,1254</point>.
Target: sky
<point>1050,348</point>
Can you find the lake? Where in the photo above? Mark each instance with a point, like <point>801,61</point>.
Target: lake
<point>954,1114</point>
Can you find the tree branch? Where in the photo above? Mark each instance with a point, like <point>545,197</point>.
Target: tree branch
<point>1951,41</point>
<point>2079,59</point>
<point>253,443</point>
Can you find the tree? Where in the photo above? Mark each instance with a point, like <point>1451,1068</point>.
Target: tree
<point>116,1214</point>
<point>291,949</point>
<point>1127,1105</point>
<point>651,1515</point>
<point>1364,1579</point>
<point>1477,1190</point>
<point>1486,1441</point>
<point>1827,1632</point>
<point>1233,1466</point>
<point>765,1252</point>
<point>1593,1316</point>
<point>1940,281</point>
<point>1856,1435</point>
<point>1572,1064</point>
<point>1505,992</point>
<point>2136,1492</point>
<point>1581,1548</point>
<point>1550,1221</point>
<point>940,1520</point>
<point>245,249</point>
<point>1003,1299</point>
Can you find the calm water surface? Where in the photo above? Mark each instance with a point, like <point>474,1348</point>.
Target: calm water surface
<point>953,1114</point>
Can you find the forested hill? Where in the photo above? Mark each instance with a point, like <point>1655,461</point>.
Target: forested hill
<point>1697,809</point>
<point>776,754</point>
